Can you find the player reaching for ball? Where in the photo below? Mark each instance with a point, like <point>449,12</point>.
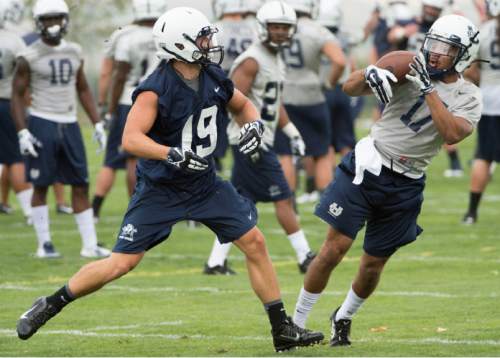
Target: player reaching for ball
<point>381,182</point>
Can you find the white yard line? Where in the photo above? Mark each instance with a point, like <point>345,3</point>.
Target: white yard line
<point>88,333</point>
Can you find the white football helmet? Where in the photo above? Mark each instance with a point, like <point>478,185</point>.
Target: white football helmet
<point>493,7</point>
<point>186,34</point>
<point>330,13</point>
<point>51,8</point>
<point>275,12</point>
<point>223,7</point>
<point>452,31</point>
<point>252,6</point>
<point>16,11</point>
<point>148,9</point>
<point>440,4</point>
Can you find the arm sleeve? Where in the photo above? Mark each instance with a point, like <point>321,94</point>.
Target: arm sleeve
<point>469,108</point>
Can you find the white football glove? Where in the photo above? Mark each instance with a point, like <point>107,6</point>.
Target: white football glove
<point>100,136</point>
<point>420,76</point>
<point>298,146</point>
<point>251,137</point>
<point>27,143</point>
<point>378,80</point>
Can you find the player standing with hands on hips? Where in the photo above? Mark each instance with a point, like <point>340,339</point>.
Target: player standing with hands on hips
<point>381,182</point>
<point>172,127</point>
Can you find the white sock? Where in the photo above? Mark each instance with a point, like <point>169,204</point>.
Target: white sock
<point>85,222</point>
<point>40,215</point>
<point>300,245</point>
<point>305,303</point>
<point>219,254</point>
<point>350,306</point>
<point>24,198</point>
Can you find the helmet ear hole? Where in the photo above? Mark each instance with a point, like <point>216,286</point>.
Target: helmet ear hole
<point>179,46</point>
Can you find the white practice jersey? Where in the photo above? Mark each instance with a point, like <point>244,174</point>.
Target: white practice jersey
<point>53,79</point>
<point>406,132</point>
<point>137,48</point>
<point>110,44</point>
<point>266,91</point>
<point>303,59</point>
<point>490,72</point>
<point>236,37</point>
<point>10,46</point>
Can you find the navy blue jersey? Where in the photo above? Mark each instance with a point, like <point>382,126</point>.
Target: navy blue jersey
<point>185,119</point>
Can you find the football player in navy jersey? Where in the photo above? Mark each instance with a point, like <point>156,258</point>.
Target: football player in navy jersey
<point>172,128</point>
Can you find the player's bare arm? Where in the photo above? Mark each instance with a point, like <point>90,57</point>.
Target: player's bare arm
<point>337,59</point>
<point>244,75</point>
<point>85,96</point>
<point>356,85</point>
<point>120,76</point>
<point>20,85</point>
<point>140,119</point>
<point>453,129</point>
<point>243,109</point>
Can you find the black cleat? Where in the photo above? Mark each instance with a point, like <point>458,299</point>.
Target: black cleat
<point>219,270</point>
<point>289,336</point>
<point>31,320</point>
<point>340,331</point>
<point>305,264</point>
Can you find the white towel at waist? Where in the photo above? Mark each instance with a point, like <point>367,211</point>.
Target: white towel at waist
<point>367,158</point>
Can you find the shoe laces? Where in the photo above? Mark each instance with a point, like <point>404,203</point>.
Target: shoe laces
<point>44,315</point>
<point>342,329</point>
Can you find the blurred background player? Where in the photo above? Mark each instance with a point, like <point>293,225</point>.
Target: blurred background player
<point>132,57</point>
<point>52,68</point>
<point>10,156</point>
<point>303,97</point>
<point>259,73</point>
<point>487,75</point>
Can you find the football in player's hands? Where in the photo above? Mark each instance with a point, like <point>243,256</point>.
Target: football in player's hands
<point>397,62</point>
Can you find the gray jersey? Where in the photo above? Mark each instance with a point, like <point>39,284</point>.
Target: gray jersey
<point>110,44</point>
<point>490,72</point>
<point>303,59</point>
<point>266,90</point>
<point>406,132</point>
<point>236,37</point>
<point>53,79</point>
<point>137,48</point>
<point>10,46</point>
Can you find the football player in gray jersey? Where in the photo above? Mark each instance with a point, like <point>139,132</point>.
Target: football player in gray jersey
<point>11,162</point>
<point>381,182</point>
<point>487,75</point>
<point>52,69</point>
<point>259,73</point>
<point>302,94</point>
<point>130,54</point>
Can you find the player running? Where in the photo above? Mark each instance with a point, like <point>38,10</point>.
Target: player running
<point>172,127</point>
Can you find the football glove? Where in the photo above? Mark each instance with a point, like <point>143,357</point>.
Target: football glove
<point>186,160</point>
<point>251,137</point>
<point>378,80</point>
<point>298,146</point>
<point>27,143</point>
<point>100,136</point>
<point>420,76</point>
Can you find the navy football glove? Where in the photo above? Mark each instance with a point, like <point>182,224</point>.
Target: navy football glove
<point>186,160</point>
<point>251,137</point>
<point>420,76</point>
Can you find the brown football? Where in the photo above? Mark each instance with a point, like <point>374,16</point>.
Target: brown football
<point>398,63</point>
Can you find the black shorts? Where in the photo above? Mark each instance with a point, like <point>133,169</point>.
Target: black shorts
<point>488,139</point>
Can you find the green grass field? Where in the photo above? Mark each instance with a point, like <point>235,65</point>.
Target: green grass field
<point>438,297</point>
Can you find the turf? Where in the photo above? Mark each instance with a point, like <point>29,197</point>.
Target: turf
<point>438,297</point>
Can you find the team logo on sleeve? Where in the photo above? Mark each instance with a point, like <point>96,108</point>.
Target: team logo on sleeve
<point>128,232</point>
<point>335,209</point>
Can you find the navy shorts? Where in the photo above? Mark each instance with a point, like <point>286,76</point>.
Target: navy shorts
<point>62,156</point>
<point>314,126</point>
<point>262,180</point>
<point>154,209</point>
<point>341,119</point>
<point>488,139</point>
<point>9,143</point>
<point>116,157</point>
<point>389,203</point>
